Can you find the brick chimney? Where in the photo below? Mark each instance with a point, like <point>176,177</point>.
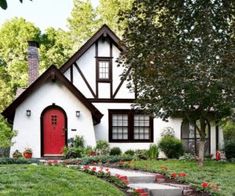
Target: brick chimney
<point>33,61</point>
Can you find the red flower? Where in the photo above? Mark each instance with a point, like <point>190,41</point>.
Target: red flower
<point>86,167</point>
<point>107,169</point>
<point>93,168</point>
<point>173,175</point>
<point>182,174</point>
<point>205,184</point>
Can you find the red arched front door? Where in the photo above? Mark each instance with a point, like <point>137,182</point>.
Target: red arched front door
<point>54,132</point>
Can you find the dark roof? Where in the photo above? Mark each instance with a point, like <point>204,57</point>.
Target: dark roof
<point>52,73</point>
<point>103,31</point>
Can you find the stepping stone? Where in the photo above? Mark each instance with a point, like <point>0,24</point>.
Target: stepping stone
<point>156,189</point>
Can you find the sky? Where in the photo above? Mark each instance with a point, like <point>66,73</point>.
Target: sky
<point>43,13</point>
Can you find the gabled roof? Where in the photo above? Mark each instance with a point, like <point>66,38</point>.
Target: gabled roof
<point>103,31</point>
<point>52,73</point>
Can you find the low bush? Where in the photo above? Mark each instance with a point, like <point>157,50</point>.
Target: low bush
<point>73,152</point>
<point>153,151</point>
<point>98,159</point>
<point>171,146</point>
<point>141,154</point>
<point>115,151</point>
<point>229,149</point>
<point>130,152</point>
<point>187,157</point>
<point>17,154</point>
<point>78,142</point>
<point>102,147</point>
<point>17,161</point>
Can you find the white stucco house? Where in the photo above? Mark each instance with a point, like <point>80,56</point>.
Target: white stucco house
<point>87,97</point>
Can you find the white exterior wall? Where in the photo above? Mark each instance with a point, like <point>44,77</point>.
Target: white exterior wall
<point>28,128</point>
<point>101,130</point>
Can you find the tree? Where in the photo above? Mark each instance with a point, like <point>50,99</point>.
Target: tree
<point>6,134</point>
<point>55,48</point>
<point>83,22</point>
<point>182,59</point>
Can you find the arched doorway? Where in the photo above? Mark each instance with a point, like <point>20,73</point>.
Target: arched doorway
<point>53,131</point>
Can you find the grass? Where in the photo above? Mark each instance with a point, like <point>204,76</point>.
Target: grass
<point>218,173</point>
<point>45,180</point>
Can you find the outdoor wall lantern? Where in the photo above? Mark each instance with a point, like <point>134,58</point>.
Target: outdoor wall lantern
<point>77,113</point>
<point>28,113</point>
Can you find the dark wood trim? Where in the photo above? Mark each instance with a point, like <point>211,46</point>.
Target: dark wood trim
<point>51,73</point>
<point>111,68</point>
<point>85,80</point>
<point>112,100</point>
<point>53,106</point>
<point>121,83</point>
<point>104,30</point>
<point>96,71</point>
<point>217,135</point>
<point>130,114</point>
<point>71,73</point>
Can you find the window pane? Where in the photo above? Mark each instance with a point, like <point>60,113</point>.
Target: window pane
<point>103,69</point>
<point>141,127</point>
<point>119,126</point>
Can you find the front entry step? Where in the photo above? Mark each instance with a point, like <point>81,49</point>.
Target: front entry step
<point>155,189</point>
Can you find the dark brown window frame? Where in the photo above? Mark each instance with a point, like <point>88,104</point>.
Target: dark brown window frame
<point>130,139</point>
<point>195,138</point>
<point>104,59</point>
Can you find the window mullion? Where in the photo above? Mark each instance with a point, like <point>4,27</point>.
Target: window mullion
<point>130,125</point>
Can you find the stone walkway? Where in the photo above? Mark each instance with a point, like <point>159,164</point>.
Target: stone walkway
<point>149,184</point>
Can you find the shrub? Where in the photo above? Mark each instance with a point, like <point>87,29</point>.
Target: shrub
<point>187,157</point>
<point>130,152</point>
<point>171,146</point>
<point>73,152</point>
<point>102,147</point>
<point>153,151</point>
<point>17,161</point>
<point>17,154</point>
<point>98,159</point>
<point>229,149</point>
<point>78,142</point>
<point>141,154</point>
<point>115,151</point>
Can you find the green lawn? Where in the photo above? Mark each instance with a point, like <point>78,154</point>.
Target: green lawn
<point>222,174</point>
<point>48,180</point>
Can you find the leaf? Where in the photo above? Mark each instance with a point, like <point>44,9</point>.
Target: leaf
<point>3,4</point>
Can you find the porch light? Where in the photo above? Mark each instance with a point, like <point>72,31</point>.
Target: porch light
<point>77,113</point>
<point>28,113</point>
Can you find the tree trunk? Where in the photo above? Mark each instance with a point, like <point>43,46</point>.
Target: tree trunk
<point>201,152</point>
<point>202,133</point>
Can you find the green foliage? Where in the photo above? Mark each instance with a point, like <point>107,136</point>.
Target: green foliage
<point>141,154</point>
<point>171,146</point>
<point>178,51</point>
<point>187,157</point>
<point>115,151</point>
<point>17,154</point>
<point>55,48</point>
<point>130,152</point>
<point>6,133</point>
<point>3,3</point>
<point>229,130</point>
<point>76,148</point>
<point>98,160</point>
<point>153,151</point>
<point>102,147</point>
<point>20,160</point>
<point>229,149</point>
